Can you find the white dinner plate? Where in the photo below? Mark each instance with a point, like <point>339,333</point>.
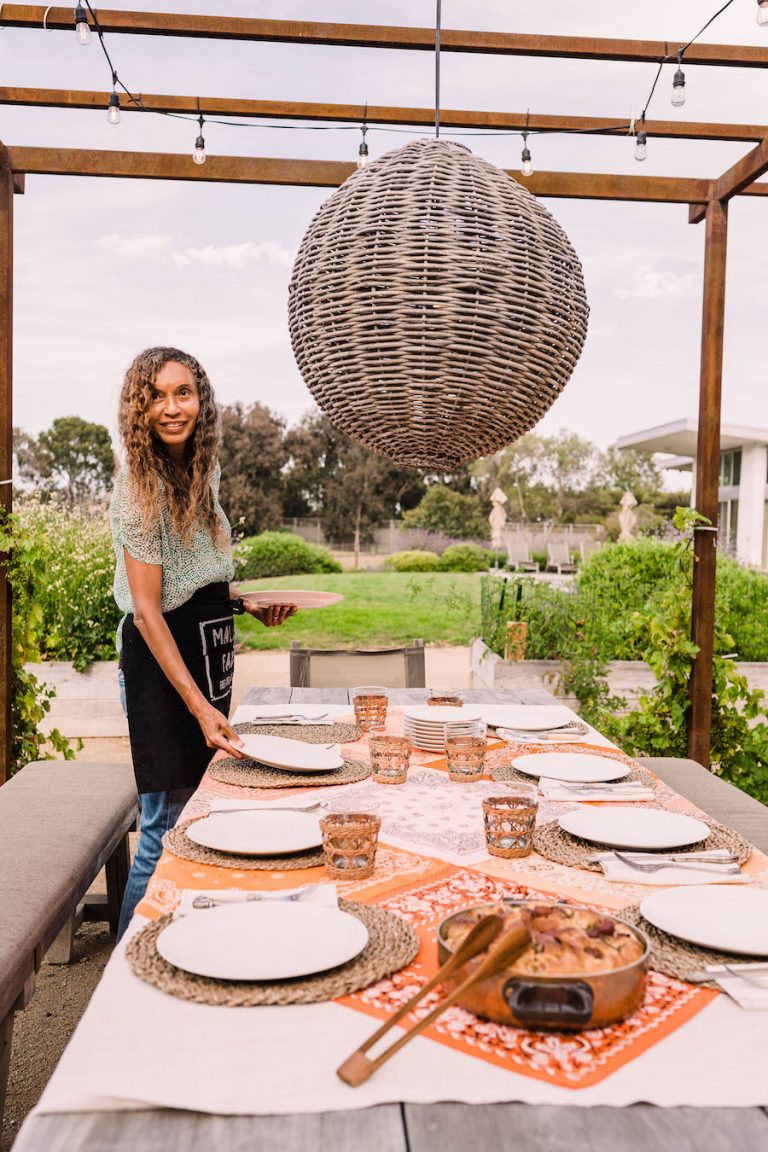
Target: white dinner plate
<point>262,940</point>
<point>291,755</point>
<point>575,767</point>
<point>262,833</point>
<point>726,919</point>
<point>302,599</point>
<point>634,827</point>
<point>429,715</point>
<point>527,717</point>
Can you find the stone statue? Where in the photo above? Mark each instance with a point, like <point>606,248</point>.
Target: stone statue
<point>628,517</point>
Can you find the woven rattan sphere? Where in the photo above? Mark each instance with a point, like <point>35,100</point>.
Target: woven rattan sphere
<point>436,308</point>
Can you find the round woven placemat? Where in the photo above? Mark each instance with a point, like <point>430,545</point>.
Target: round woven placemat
<point>177,841</point>
<point>309,733</point>
<point>553,843</point>
<point>251,774</point>
<point>505,773</point>
<point>675,957</point>
<point>392,944</point>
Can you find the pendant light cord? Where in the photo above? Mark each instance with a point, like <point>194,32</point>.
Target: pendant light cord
<point>437,69</point>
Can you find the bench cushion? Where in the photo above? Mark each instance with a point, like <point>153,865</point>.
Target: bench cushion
<point>57,819</point>
<point>715,796</point>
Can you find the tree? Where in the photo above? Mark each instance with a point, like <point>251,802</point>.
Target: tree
<point>252,459</point>
<point>350,488</point>
<point>73,457</point>
<point>515,470</point>
<point>624,470</point>
<point>443,510</point>
<point>567,466</point>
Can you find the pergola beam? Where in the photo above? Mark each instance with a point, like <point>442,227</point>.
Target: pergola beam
<point>379,114</point>
<point>743,173</point>
<point>386,36</point>
<point>331,173</point>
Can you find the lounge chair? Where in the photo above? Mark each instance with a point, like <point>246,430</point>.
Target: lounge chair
<point>559,558</point>
<point>519,556</point>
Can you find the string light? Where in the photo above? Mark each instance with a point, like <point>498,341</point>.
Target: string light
<point>678,83</point>
<point>762,13</point>
<point>362,152</point>
<point>641,141</point>
<point>199,153</point>
<point>82,27</point>
<point>525,156</point>
<point>113,107</point>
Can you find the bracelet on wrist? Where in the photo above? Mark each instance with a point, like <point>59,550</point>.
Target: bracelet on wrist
<point>238,606</point>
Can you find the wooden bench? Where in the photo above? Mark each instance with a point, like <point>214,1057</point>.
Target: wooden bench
<point>60,824</point>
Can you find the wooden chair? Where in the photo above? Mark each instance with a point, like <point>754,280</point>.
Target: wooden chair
<point>519,556</point>
<point>388,667</point>
<point>559,558</point>
<point>587,547</point>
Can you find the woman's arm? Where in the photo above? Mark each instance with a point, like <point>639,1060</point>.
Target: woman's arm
<point>145,582</point>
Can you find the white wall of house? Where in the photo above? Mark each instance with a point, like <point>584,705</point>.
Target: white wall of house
<point>750,532</point>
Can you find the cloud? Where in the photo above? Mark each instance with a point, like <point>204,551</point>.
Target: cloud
<point>159,248</point>
<point>636,272</point>
<point>237,255</point>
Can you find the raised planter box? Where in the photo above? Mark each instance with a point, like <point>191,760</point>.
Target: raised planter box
<point>627,678</point>
<point>86,703</point>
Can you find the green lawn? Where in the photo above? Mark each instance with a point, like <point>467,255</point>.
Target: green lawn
<point>379,609</point>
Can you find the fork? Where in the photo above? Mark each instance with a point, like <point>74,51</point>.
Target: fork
<point>276,808</point>
<point>212,902</point>
<point>288,716</point>
<point>727,870</point>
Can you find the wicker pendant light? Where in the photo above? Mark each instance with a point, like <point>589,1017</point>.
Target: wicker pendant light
<point>436,308</point>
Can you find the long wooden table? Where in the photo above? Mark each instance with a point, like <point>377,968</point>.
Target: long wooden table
<point>444,1127</point>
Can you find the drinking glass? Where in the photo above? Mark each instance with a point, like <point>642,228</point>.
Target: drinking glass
<point>370,705</point>
<point>510,820</point>
<point>349,844</point>
<point>465,753</point>
<point>390,757</point>
<point>445,698</point>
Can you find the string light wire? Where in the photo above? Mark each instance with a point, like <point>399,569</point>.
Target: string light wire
<point>623,128</point>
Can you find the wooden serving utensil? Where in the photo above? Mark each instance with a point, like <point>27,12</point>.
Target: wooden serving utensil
<point>502,949</point>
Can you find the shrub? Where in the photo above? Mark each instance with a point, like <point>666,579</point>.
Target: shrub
<point>466,558</point>
<point>280,554</point>
<point>414,561</point>
<point>443,510</point>
<point>73,590</point>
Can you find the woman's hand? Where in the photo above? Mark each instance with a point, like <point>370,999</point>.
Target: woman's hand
<point>217,730</point>
<point>271,615</point>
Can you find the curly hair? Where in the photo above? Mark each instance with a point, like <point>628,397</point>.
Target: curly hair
<point>187,487</point>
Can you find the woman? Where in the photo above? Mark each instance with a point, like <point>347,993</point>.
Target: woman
<point>172,579</point>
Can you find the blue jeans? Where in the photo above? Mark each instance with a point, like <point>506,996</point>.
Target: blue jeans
<point>159,812</point>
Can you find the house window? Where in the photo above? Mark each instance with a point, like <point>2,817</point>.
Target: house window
<point>727,525</point>
<point>730,468</point>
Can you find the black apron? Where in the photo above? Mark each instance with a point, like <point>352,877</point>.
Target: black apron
<point>167,745</point>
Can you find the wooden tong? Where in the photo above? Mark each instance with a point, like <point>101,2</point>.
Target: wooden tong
<point>502,949</point>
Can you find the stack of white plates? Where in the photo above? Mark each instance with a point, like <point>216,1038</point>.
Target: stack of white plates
<point>428,726</point>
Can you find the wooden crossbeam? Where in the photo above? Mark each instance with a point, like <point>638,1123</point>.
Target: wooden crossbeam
<point>331,173</point>
<point>353,114</point>
<point>743,173</point>
<point>386,36</point>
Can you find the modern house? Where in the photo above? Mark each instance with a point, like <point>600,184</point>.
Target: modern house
<point>743,492</point>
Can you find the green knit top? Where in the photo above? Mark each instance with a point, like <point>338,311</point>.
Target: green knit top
<point>186,568</point>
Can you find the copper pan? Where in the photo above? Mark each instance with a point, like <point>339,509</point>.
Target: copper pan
<point>567,1002</point>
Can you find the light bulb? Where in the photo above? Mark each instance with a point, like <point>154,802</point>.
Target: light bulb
<point>762,13</point>
<point>82,27</point>
<point>362,154</point>
<point>640,146</point>
<point>678,89</point>
<point>527,168</point>
<point>199,153</point>
<point>113,109</point>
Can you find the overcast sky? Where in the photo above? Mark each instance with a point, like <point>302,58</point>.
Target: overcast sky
<point>107,267</point>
